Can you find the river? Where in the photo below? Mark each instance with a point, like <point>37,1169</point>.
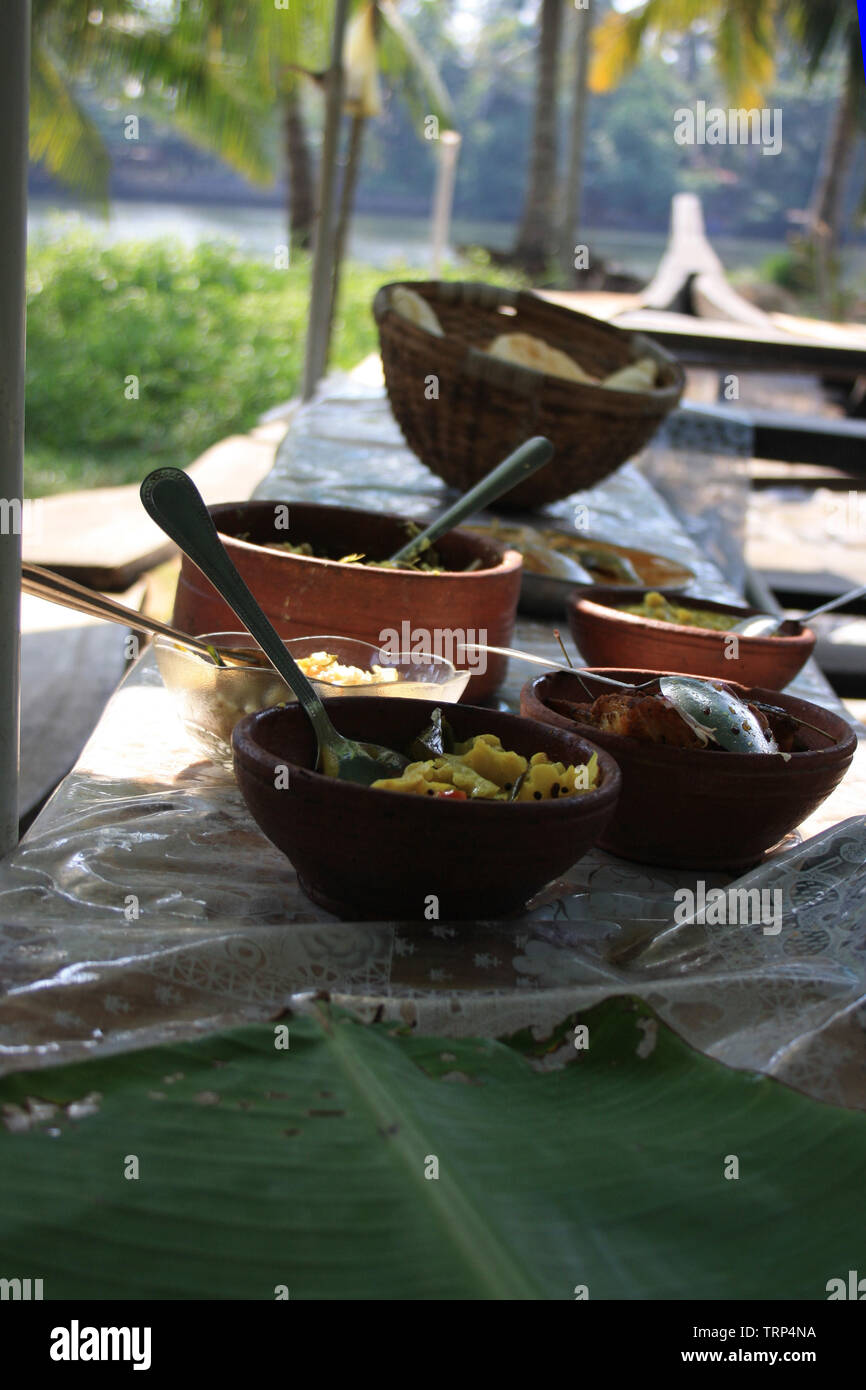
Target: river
<point>375,240</point>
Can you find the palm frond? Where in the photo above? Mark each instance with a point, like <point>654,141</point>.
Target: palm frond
<point>616,47</point>
<point>744,51</point>
<point>404,60</point>
<point>62,135</point>
<point>212,101</point>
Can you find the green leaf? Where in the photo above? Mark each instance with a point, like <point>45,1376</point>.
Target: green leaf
<point>305,1167</point>
<point>405,61</point>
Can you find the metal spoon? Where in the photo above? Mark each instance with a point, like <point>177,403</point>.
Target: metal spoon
<point>174,502</point>
<point>54,588</point>
<point>555,665</point>
<point>521,464</point>
<point>767,624</point>
<point>717,716</point>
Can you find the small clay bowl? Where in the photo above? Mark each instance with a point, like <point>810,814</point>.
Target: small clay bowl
<point>367,854</point>
<point>704,809</point>
<point>400,609</point>
<point>608,637</point>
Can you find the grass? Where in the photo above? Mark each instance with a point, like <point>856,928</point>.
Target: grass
<point>145,354</point>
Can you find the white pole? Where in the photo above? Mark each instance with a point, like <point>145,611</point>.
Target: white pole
<point>323,253</point>
<point>14,90</point>
<point>443,198</point>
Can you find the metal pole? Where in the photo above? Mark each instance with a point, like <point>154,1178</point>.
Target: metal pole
<point>443,199</point>
<point>323,255</point>
<point>14,92</point>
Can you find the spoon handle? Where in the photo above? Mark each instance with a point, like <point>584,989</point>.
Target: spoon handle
<point>53,588</point>
<point>838,602</point>
<point>174,502</point>
<point>554,665</point>
<point>525,460</point>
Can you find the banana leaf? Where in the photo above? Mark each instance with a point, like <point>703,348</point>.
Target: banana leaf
<point>317,1157</point>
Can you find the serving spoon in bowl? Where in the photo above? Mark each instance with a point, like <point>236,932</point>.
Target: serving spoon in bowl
<point>174,502</point>
<point>768,624</point>
<point>716,715</point>
<point>55,588</point>
<point>521,464</point>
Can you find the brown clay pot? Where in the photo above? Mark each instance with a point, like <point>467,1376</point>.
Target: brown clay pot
<point>302,595</point>
<point>698,809</point>
<point>608,637</point>
<point>365,854</point>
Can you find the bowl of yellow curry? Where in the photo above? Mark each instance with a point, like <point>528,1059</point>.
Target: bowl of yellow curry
<point>660,632</point>
<point>489,808</point>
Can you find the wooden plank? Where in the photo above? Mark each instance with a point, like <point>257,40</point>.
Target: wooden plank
<point>70,664</point>
<point>729,346</point>
<point>784,344</point>
<point>827,442</point>
<point>808,588</point>
<point>105,539</point>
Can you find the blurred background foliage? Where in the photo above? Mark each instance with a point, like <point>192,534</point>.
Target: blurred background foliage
<point>215,338</point>
<point>227,96</point>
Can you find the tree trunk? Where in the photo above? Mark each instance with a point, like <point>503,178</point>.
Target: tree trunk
<point>316,351</point>
<point>535,235</point>
<point>824,216</point>
<point>347,202</point>
<point>571,202</point>
<point>299,166</point>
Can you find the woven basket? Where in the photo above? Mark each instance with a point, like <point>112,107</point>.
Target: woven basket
<point>486,407</point>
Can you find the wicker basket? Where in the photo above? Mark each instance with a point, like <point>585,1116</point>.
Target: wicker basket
<point>486,407</point>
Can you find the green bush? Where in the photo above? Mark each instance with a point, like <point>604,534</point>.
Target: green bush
<point>215,338</point>
<point>793,269</point>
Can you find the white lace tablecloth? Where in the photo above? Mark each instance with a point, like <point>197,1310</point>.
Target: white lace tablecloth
<point>144,904</point>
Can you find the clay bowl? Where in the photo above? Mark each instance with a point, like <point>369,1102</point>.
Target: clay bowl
<point>403,609</point>
<point>367,854</point>
<point>609,637</point>
<point>699,809</point>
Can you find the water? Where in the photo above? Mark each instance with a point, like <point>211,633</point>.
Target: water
<point>257,231</point>
<point>375,240</point>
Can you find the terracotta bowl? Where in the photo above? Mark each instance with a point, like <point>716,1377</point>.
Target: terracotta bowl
<point>301,595</point>
<point>609,637</point>
<point>699,809</point>
<point>367,854</point>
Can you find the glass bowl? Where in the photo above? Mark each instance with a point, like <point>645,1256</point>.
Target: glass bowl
<point>211,699</point>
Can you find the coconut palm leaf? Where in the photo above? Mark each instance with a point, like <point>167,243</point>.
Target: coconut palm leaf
<point>405,62</point>
<point>62,135</point>
<point>222,64</point>
<point>742,33</point>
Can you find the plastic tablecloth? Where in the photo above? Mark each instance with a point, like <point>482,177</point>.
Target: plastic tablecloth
<point>144,904</point>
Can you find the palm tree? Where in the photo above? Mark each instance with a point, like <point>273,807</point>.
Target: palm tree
<point>535,234</point>
<point>74,42</point>
<point>272,45</point>
<point>824,28</point>
<point>582,22</point>
<point>379,41</point>
<point>223,64</point>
